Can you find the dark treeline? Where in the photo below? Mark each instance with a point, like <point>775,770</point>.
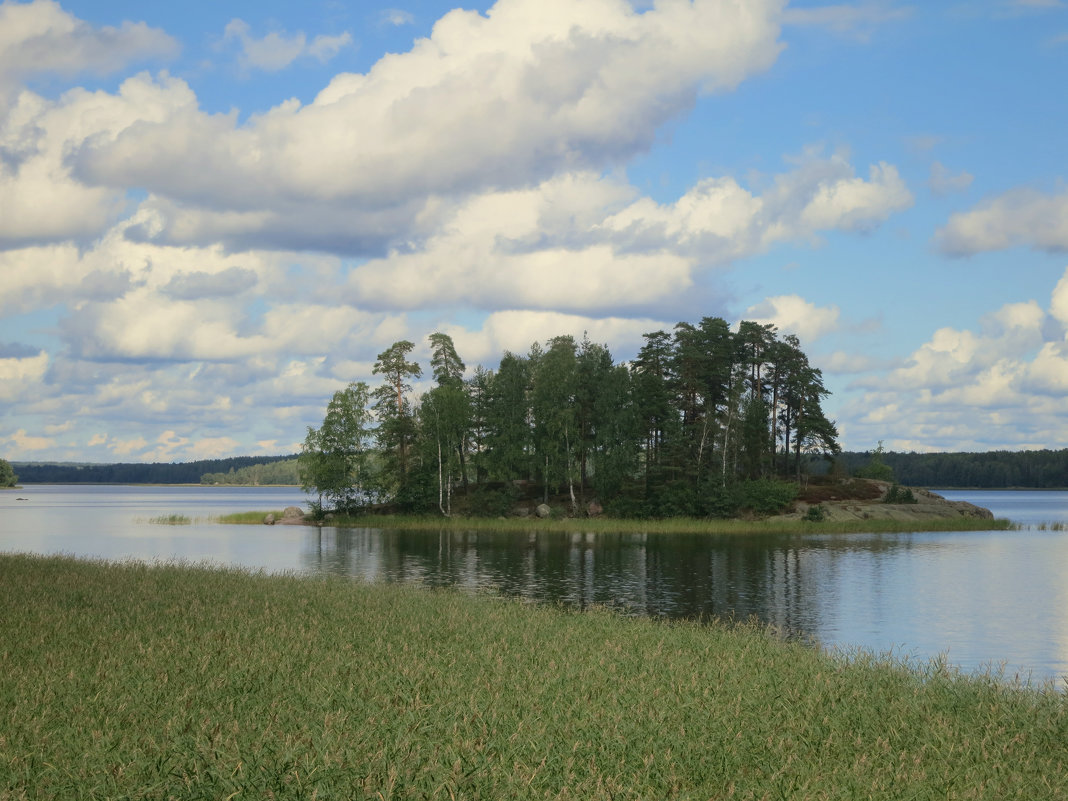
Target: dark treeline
<point>702,422</point>
<point>1043,469</point>
<point>133,473</point>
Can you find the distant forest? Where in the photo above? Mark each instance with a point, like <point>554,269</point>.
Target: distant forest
<point>1044,469</point>
<point>155,473</point>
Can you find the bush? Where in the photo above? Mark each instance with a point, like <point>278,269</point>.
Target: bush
<point>493,500</point>
<point>766,496</point>
<point>815,514</point>
<point>899,494</point>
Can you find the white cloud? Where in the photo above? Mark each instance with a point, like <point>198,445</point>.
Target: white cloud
<point>40,200</point>
<point>19,374</point>
<point>277,50</point>
<point>516,331</point>
<point>40,37</point>
<point>1001,386</point>
<point>396,16</point>
<point>509,99</point>
<point>1023,217</point>
<point>323,48</point>
<point>21,444</point>
<point>580,242</point>
<point>792,314</point>
<point>944,182</point>
<point>854,20</point>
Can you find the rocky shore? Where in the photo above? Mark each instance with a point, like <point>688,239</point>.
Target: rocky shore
<point>928,505</point>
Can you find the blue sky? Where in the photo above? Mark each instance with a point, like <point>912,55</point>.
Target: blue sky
<point>214,215</point>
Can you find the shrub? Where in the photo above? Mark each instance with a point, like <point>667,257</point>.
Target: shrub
<point>766,496</point>
<point>493,500</point>
<point>815,514</point>
<point>899,494</point>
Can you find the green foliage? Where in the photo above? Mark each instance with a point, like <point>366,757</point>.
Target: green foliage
<point>138,473</point>
<point>7,474</point>
<point>177,682</point>
<point>899,494</point>
<point>815,514</point>
<point>766,496</point>
<point>695,413</point>
<point>1036,469</point>
<point>397,426</point>
<point>284,472</point>
<point>877,468</point>
<point>494,500</point>
<point>334,461</point>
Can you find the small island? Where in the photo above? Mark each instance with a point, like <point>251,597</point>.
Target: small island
<point>707,428</point>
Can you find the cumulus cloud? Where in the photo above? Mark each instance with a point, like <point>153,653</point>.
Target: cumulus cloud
<point>583,242</point>
<point>198,284</point>
<point>943,181</point>
<point>1022,217</point>
<point>40,200</point>
<point>1000,386</point>
<point>277,50</point>
<point>20,371</point>
<point>792,314</point>
<point>505,100</point>
<point>40,37</point>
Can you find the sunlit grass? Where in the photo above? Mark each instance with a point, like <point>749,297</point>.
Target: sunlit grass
<point>246,517</point>
<point>133,681</point>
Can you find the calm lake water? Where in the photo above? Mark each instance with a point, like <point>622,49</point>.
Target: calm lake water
<point>980,598</point>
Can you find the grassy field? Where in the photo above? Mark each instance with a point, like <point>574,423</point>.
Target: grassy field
<point>154,682</point>
<point>677,525</point>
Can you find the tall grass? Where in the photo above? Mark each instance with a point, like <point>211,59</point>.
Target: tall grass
<point>171,520</point>
<point>246,517</point>
<point>131,681</point>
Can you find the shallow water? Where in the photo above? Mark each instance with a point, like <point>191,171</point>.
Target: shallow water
<point>981,598</point>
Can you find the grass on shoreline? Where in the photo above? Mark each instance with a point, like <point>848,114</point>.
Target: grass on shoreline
<point>136,681</point>
<point>679,525</point>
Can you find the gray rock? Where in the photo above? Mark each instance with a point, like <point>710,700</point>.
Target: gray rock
<point>542,510</point>
<point>593,509</point>
<point>292,512</point>
<point>269,519</point>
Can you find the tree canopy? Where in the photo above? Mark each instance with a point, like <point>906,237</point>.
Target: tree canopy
<point>700,411</point>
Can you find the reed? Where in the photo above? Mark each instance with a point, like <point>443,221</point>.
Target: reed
<point>173,681</point>
<point>171,520</point>
<point>246,517</point>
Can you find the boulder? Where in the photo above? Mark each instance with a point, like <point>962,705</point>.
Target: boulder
<point>269,519</point>
<point>593,509</point>
<point>542,510</point>
<point>291,512</point>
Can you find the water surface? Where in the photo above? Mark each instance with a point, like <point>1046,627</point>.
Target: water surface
<point>981,598</point>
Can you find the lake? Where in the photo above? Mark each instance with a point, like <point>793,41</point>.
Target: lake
<point>980,598</point>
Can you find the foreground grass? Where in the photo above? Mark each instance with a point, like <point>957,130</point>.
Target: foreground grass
<point>137,682</point>
<point>676,525</point>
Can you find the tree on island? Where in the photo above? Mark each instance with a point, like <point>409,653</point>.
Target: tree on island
<point>7,474</point>
<point>704,421</point>
<point>334,461</point>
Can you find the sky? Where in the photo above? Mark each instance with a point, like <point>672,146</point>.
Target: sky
<point>215,215</point>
